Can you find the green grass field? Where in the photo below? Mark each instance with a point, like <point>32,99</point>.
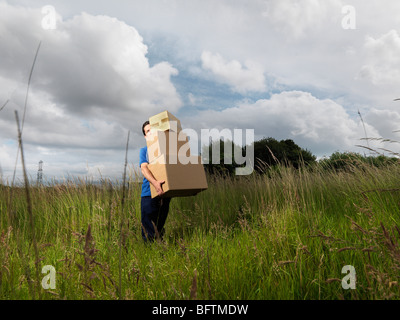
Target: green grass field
<point>286,234</point>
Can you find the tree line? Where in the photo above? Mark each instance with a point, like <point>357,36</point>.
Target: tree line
<point>269,152</point>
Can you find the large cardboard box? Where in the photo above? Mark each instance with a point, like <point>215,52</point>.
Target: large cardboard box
<point>171,143</point>
<point>165,121</point>
<point>170,159</point>
<point>181,180</point>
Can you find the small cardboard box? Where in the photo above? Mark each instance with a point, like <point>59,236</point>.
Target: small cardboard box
<point>181,180</point>
<point>170,143</point>
<point>165,121</point>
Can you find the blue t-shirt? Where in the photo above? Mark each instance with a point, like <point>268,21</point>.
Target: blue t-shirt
<point>143,158</point>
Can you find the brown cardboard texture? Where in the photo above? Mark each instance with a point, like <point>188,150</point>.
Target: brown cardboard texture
<point>165,121</point>
<point>181,180</point>
<point>169,143</point>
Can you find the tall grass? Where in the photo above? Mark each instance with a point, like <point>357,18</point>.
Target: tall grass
<point>285,234</point>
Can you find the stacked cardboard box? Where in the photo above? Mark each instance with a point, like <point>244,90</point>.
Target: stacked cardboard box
<point>170,159</point>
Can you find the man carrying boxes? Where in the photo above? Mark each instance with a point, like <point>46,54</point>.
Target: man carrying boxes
<point>169,170</point>
<point>154,211</point>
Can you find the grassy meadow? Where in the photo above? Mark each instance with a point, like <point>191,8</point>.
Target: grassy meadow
<point>285,234</point>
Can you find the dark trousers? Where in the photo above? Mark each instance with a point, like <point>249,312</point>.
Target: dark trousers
<point>154,215</point>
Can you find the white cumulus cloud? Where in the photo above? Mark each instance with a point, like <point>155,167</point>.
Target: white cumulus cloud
<point>298,18</point>
<point>382,66</point>
<point>249,77</point>
<point>322,126</point>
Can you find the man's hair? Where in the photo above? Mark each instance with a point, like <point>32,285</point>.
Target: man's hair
<point>145,124</point>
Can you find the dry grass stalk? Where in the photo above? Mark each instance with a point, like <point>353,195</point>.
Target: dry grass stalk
<point>91,268</point>
<point>357,226</point>
<point>325,237</point>
<point>391,245</point>
<point>25,105</point>
<point>346,249</point>
<point>4,252</point>
<point>4,105</point>
<point>110,207</point>
<point>370,249</point>
<point>193,290</point>
<point>282,263</point>
<point>122,220</point>
<point>158,236</point>
<point>29,204</point>
<point>333,280</point>
<point>367,211</point>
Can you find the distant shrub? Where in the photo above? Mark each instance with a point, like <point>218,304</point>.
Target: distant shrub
<point>349,160</point>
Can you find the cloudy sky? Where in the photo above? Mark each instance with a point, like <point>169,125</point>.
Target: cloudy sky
<point>288,69</point>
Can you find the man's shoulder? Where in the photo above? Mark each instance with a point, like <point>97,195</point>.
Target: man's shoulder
<point>144,149</point>
<point>143,155</point>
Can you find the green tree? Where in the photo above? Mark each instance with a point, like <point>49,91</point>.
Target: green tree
<point>217,161</point>
<point>269,152</point>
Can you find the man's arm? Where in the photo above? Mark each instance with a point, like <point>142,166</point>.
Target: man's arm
<point>149,176</point>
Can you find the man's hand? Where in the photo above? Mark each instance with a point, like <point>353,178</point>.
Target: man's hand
<point>149,176</point>
<point>158,186</point>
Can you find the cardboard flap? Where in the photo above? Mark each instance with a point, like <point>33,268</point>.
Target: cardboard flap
<point>165,121</point>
